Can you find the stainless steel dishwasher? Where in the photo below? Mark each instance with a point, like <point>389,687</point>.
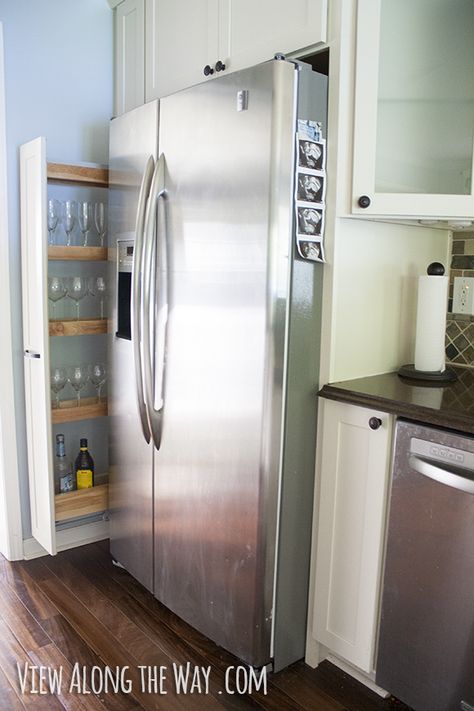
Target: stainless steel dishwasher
<point>426,644</point>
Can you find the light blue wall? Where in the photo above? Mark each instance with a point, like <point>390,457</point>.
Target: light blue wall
<point>58,84</point>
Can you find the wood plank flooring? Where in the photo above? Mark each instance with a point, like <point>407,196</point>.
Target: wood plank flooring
<point>77,611</point>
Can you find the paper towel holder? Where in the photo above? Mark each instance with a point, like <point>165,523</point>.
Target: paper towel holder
<point>448,375</point>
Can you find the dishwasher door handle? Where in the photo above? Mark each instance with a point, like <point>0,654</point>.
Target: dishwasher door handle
<point>455,481</point>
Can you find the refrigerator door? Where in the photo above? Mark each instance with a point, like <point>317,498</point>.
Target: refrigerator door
<point>229,150</point>
<point>133,148</point>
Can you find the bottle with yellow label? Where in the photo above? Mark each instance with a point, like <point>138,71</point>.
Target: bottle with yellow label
<point>84,467</point>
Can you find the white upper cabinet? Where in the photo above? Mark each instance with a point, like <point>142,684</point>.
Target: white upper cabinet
<point>129,55</point>
<point>189,40</point>
<point>251,32</point>
<point>414,109</point>
<point>181,39</point>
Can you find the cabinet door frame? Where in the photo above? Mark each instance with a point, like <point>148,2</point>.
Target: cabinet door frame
<point>34,267</point>
<point>122,98</point>
<point>312,37</point>
<point>11,542</point>
<point>365,131</point>
<point>349,573</point>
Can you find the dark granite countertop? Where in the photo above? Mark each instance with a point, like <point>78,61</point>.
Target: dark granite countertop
<point>450,406</point>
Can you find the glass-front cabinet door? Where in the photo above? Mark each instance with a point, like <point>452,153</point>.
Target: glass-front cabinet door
<point>414,109</point>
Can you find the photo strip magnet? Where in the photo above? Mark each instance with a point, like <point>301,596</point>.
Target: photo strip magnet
<point>311,187</point>
<point>311,249</point>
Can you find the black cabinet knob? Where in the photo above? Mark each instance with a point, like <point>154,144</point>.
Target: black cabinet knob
<point>363,201</point>
<point>375,423</point>
<point>220,66</point>
<point>208,70</point>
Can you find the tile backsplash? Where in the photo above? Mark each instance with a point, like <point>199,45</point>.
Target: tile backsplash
<point>460,327</point>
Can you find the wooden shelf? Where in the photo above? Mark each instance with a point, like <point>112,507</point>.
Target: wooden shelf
<point>74,327</point>
<point>82,502</point>
<point>90,254</point>
<point>70,412</point>
<point>78,174</point>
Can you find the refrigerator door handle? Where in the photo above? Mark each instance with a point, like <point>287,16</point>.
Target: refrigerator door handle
<point>443,476</point>
<point>137,296</point>
<point>154,312</point>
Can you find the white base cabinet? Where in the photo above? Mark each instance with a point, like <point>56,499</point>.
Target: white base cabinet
<point>350,520</point>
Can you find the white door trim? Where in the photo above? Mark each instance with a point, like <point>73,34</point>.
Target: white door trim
<point>11,540</point>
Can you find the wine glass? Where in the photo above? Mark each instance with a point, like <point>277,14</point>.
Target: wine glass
<point>85,220</point>
<point>56,290</point>
<point>78,377</point>
<point>69,218</point>
<point>98,376</point>
<point>76,290</point>
<point>53,218</point>
<point>58,381</point>
<point>98,287</point>
<point>99,219</point>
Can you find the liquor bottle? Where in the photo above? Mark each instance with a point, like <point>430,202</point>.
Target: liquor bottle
<point>62,468</point>
<point>84,467</point>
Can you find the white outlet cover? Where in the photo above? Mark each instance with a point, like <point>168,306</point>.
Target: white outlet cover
<point>463,295</point>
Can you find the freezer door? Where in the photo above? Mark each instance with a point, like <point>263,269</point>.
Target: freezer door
<point>229,148</point>
<point>133,146</point>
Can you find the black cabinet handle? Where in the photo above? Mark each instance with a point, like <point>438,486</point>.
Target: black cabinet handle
<point>220,66</point>
<point>375,423</point>
<point>208,70</point>
<point>363,201</point>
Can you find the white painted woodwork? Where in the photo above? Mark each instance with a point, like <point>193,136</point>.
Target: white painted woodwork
<point>181,38</point>
<point>253,32</point>
<point>414,109</point>
<point>11,537</point>
<point>33,201</point>
<point>129,55</point>
<point>350,520</point>
<point>375,286</point>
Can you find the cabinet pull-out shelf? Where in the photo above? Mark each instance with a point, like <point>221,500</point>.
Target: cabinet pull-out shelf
<point>74,327</point>
<point>88,175</point>
<point>70,412</point>
<point>82,502</point>
<point>87,254</point>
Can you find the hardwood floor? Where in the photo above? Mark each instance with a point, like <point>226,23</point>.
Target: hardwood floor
<point>77,610</point>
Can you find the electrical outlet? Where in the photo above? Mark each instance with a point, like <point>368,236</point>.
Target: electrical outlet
<point>463,295</point>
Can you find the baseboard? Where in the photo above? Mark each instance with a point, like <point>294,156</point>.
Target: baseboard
<point>68,538</point>
<point>366,679</point>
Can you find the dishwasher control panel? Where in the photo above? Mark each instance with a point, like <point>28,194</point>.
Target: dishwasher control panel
<point>441,453</point>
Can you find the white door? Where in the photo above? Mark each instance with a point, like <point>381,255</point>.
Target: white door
<point>36,340</point>
<point>414,109</point>
<point>353,485</point>
<point>252,32</point>
<point>181,39</point>
<point>129,55</point>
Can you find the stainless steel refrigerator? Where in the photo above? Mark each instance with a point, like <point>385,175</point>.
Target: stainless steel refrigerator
<point>214,357</point>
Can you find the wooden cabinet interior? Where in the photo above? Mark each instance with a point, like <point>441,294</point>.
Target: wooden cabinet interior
<point>83,502</point>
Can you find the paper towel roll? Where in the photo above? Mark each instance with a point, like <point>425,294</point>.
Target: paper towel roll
<point>431,323</point>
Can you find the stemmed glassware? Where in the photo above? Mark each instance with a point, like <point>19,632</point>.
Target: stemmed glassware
<point>58,381</point>
<point>76,290</point>
<point>69,218</point>
<point>53,217</point>
<point>98,287</point>
<point>56,290</point>
<point>78,376</point>
<point>98,376</point>
<point>99,219</point>
<point>85,220</point>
